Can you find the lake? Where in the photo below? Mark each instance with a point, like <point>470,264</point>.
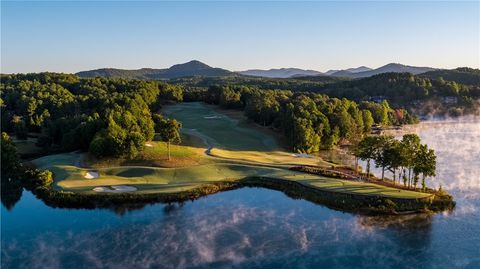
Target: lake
<point>260,228</point>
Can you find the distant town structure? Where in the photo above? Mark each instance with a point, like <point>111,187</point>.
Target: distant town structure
<point>377,99</point>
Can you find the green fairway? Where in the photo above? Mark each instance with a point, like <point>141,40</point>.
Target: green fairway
<point>219,130</point>
<point>160,180</point>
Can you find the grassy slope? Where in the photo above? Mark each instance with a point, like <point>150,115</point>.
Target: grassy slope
<point>242,152</point>
<point>156,155</point>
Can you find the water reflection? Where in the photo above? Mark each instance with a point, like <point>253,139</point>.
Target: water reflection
<point>411,222</point>
<point>123,209</point>
<point>11,192</point>
<point>248,228</point>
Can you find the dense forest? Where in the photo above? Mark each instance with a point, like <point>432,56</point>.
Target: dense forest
<point>108,117</point>
<point>309,121</point>
<point>453,92</point>
<point>115,117</point>
<point>403,88</point>
<point>309,83</point>
<point>462,75</point>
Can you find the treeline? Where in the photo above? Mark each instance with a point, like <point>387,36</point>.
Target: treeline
<point>462,75</point>
<point>309,121</point>
<point>404,88</point>
<point>408,156</point>
<point>312,83</point>
<point>14,174</point>
<point>108,117</point>
<point>400,89</point>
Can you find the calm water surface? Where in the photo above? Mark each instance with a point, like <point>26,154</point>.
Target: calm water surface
<point>259,228</point>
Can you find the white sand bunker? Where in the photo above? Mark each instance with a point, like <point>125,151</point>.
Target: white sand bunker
<point>148,145</point>
<point>118,188</point>
<point>212,117</point>
<point>91,175</point>
<point>303,155</point>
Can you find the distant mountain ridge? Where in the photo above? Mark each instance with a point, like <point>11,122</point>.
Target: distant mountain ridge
<point>197,68</point>
<point>389,68</point>
<point>192,68</point>
<point>280,73</point>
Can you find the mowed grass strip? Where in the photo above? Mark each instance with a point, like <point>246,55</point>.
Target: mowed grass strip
<point>359,188</point>
<point>171,180</point>
<point>272,157</point>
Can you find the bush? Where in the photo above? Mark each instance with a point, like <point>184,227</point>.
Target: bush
<point>33,179</point>
<point>44,178</point>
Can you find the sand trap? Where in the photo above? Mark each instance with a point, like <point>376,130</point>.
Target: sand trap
<point>303,155</point>
<point>212,117</point>
<point>118,188</point>
<point>148,145</point>
<point>91,175</point>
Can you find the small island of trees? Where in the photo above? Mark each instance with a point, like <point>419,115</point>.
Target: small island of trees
<point>407,156</point>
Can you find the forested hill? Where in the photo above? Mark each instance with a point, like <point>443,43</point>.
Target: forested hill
<point>462,75</point>
<point>192,68</point>
<point>400,87</point>
<point>457,95</point>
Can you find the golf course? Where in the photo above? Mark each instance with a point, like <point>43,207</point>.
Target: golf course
<point>217,149</point>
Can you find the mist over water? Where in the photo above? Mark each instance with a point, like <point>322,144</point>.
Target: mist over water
<point>457,145</point>
<point>259,228</point>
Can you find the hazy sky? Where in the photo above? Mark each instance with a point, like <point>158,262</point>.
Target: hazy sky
<point>75,36</point>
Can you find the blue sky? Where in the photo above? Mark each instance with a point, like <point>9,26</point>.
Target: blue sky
<point>74,36</point>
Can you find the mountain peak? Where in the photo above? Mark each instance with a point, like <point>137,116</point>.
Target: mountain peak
<point>192,65</point>
<point>393,65</point>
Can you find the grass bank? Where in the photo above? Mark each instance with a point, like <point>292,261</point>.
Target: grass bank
<point>335,200</point>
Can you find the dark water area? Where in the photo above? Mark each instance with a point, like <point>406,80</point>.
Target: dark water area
<point>259,228</point>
